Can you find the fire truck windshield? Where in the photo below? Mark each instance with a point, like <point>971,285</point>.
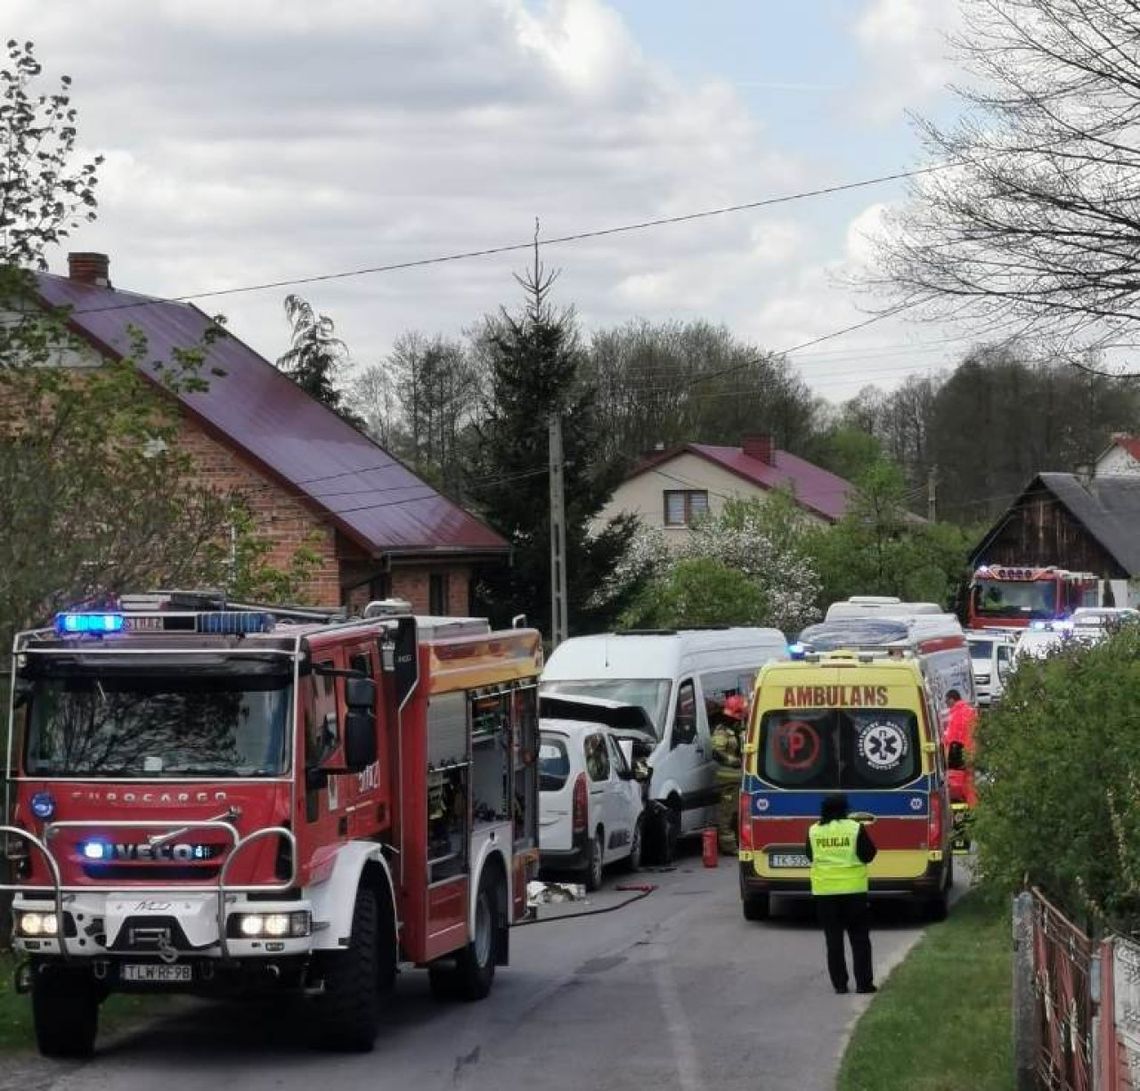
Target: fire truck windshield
<point>156,726</point>
<point>1035,599</point>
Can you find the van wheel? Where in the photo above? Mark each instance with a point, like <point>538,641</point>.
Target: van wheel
<point>595,861</point>
<point>348,1011</point>
<point>937,907</point>
<point>65,1012</point>
<point>633,860</point>
<point>756,907</point>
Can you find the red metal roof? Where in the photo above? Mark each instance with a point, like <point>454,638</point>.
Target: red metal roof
<point>372,497</point>
<point>814,488</point>
<point>1130,443</point>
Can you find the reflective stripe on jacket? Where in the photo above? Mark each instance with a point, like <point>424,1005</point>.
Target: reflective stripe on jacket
<point>835,866</point>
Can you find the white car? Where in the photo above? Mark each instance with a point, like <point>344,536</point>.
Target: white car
<point>590,804</point>
<point>1039,643</point>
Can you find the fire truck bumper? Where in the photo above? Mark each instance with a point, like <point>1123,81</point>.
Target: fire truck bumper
<point>166,928</point>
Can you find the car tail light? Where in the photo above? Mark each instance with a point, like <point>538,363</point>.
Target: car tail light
<point>744,823</point>
<point>934,823</point>
<point>579,820</point>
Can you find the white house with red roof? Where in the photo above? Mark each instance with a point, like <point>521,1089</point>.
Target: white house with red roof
<point>670,488</point>
<point>1121,456</point>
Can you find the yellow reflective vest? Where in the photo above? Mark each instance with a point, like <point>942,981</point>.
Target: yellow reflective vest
<point>835,868</point>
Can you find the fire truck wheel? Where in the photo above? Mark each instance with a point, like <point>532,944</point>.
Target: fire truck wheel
<point>595,857</point>
<point>65,1011</point>
<point>348,1011</point>
<point>475,964</point>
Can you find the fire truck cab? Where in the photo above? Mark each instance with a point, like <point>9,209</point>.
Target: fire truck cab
<point>209,798</point>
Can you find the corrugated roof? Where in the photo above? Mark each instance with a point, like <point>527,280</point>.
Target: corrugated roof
<point>372,497</point>
<point>1109,509</point>
<point>815,488</point>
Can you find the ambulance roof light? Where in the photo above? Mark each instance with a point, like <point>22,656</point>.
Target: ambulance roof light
<point>796,651</point>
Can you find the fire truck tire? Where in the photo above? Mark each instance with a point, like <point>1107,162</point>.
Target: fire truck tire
<point>347,1015</point>
<point>65,1012</point>
<point>595,857</point>
<point>475,964</point>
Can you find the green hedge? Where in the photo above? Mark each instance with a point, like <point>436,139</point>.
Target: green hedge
<point>1059,765</point>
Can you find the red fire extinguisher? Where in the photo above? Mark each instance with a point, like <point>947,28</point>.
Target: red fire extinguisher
<point>708,848</point>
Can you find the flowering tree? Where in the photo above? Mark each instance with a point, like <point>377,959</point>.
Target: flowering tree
<point>760,539</point>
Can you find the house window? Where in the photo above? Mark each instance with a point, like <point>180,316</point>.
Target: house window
<point>437,594</point>
<point>682,506</point>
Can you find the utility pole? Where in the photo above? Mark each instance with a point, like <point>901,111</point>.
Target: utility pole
<point>557,536</point>
<point>932,494</point>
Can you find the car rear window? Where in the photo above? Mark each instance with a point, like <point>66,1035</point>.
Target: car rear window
<point>553,763</point>
<point>831,749</point>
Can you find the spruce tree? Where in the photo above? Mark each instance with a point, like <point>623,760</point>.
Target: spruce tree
<point>534,360</point>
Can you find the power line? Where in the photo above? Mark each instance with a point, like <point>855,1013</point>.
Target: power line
<point>507,248</point>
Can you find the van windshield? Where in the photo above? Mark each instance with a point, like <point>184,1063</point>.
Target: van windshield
<point>981,650</point>
<point>651,693</point>
<point>849,749</point>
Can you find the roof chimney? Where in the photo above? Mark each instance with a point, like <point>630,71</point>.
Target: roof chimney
<point>89,268</point>
<point>760,448</point>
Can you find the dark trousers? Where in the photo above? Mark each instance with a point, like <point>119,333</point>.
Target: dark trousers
<point>839,913</point>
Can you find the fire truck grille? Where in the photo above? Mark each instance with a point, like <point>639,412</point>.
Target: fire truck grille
<point>150,872</point>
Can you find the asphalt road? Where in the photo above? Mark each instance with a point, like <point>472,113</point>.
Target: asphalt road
<point>675,991</point>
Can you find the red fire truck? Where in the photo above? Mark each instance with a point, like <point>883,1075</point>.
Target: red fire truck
<point>211,798</point>
<point>1009,596</point>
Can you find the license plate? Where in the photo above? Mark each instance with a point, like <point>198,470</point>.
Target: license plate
<point>150,972</point>
<point>788,859</point>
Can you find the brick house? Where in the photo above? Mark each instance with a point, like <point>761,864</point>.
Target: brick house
<point>309,478</point>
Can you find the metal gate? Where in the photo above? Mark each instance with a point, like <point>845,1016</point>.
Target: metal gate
<point>1062,972</point>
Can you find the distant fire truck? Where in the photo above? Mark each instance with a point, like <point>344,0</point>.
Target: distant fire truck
<point>1008,596</point>
<point>208,798</point>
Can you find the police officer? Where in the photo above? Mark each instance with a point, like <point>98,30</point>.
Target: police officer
<point>840,849</point>
<point>726,752</point>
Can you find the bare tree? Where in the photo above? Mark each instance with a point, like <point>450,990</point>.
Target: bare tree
<point>1033,226</point>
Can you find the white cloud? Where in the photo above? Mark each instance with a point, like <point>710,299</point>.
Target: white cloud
<point>908,56</point>
<point>277,138</point>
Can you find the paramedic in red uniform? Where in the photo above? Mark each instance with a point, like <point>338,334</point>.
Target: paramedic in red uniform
<point>960,723</point>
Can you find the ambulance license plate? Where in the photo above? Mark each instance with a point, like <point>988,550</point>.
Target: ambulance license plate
<point>152,972</point>
<point>788,859</point>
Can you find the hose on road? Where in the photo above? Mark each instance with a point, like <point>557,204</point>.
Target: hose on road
<point>643,890</point>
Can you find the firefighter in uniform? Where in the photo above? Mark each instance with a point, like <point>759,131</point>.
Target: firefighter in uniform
<point>840,849</point>
<point>727,749</point>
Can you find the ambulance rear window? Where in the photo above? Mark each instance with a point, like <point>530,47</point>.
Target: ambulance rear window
<point>849,749</point>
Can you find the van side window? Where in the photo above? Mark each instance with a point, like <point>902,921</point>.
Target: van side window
<point>685,718</point>
<point>597,758</point>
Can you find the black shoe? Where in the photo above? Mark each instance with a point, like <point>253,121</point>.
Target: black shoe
<point>866,989</point>
<point>841,989</point>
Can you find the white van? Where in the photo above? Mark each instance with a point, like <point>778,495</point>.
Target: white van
<point>678,677</point>
<point>879,606</point>
<point>936,640</point>
<point>991,654</point>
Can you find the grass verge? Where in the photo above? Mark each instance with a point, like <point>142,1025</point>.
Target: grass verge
<point>16,1010</point>
<point>942,1022</point>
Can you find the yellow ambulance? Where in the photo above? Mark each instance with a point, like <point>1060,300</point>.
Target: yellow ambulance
<point>863,723</point>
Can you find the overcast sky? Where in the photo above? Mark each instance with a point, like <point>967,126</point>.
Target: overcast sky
<point>264,140</point>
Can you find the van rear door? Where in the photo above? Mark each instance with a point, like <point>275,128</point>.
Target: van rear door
<point>873,755</point>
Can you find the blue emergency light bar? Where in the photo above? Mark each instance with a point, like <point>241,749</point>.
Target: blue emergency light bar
<point>214,622</point>
<point>89,623</point>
